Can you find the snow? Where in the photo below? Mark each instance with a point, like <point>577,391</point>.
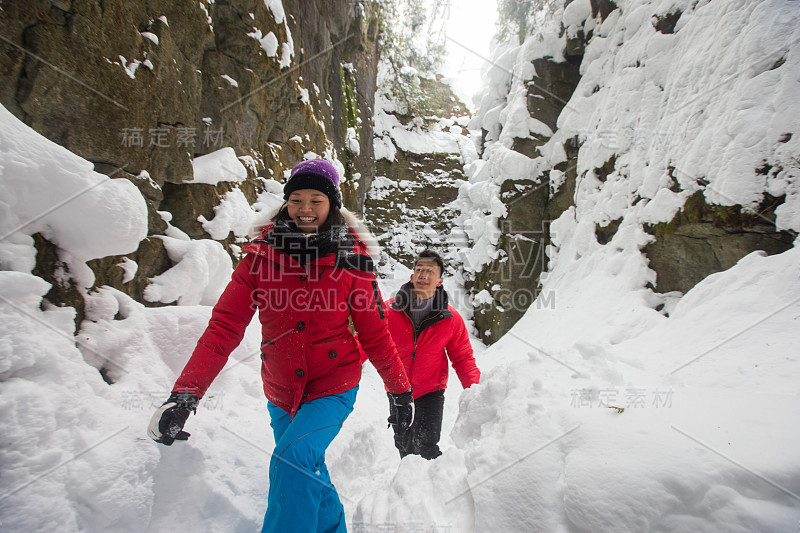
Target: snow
<point>230,80</point>
<point>130,67</point>
<point>287,48</point>
<point>706,447</point>
<point>528,456</point>
<point>303,95</point>
<point>151,36</point>
<point>287,51</point>
<point>268,43</point>
<point>351,142</point>
<point>202,268</point>
<point>680,111</point>
<point>220,165</point>
<point>575,14</point>
<point>481,207</point>
<point>482,297</point>
<point>391,134</point>
<point>654,102</point>
<point>420,135</point>
<point>46,189</point>
<point>276,8</point>
<point>384,148</point>
<point>381,187</point>
<point>664,474</point>
<point>200,274</point>
<point>129,267</point>
<point>707,385</point>
<point>232,214</point>
<point>235,215</point>
<point>717,455</point>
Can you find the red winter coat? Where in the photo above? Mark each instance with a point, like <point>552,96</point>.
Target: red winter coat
<point>425,352</point>
<point>307,348</point>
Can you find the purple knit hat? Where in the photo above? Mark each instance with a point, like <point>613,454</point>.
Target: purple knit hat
<point>315,174</point>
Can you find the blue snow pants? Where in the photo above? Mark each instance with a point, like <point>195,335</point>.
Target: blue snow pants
<point>301,496</point>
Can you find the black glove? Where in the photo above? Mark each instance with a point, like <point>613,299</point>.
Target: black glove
<point>166,426</point>
<point>401,412</point>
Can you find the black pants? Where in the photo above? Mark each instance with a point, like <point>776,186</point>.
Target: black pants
<point>422,438</point>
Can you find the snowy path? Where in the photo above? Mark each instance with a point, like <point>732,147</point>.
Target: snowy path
<point>708,438</point>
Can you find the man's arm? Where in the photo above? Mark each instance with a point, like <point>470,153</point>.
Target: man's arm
<point>459,350</point>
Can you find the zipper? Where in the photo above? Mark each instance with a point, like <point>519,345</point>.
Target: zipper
<point>417,333</point>
<point>378,301</point>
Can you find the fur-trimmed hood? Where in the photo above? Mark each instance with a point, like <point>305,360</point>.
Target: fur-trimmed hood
<point>360,228</point>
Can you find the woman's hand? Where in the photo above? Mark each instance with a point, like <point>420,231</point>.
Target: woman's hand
<point>166,425</point>
<point>402,411</point>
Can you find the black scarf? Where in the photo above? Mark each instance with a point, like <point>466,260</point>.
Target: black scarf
<point>304,247</point>
<point>404,298</point>
<point>403,302</point>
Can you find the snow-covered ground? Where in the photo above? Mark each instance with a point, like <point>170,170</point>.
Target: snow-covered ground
<point>75,454</point>
<point>597,413</point>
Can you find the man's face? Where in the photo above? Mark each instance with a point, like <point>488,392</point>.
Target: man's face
<point>425,278</point>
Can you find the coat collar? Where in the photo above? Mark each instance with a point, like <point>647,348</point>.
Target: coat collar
<point>355,259</point>
<point>402,300</point>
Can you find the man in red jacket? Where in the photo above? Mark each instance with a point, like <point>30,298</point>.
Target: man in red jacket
<point>427,331</point>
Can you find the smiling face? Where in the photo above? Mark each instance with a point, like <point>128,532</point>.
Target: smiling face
<point>425,278</point>
<point>309,209</point>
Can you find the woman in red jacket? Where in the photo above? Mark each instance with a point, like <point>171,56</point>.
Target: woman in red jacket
<point>308,274</point>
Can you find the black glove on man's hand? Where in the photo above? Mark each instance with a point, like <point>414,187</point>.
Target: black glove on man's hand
<point>166,426</point>
<point>402,410</point>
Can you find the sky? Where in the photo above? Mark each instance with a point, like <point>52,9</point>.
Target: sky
<point>470,28</point>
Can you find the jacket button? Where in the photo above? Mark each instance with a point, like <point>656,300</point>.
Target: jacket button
<point>332,354</point>
<point>299,373</point>
<point>301,325</point>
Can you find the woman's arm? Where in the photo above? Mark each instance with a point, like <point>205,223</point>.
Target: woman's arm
<point>372,324</point>
<point>224,332</point>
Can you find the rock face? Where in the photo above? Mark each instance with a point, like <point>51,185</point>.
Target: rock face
<point>149,87</point>
<point>146,87</point>
<point>142,89</point>
<point>513,278</point>
<point>408,203</point>
<point>407,206</point>
<point>703,239</point>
